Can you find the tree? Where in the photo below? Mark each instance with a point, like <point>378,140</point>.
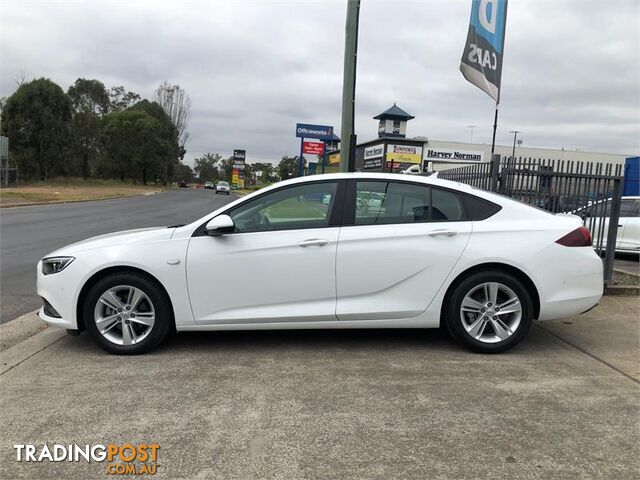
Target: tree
<point>288,167</point>
<point>134,145</point>
<point>90,102</point>
<point>183,172</point>
<point>177,105</point>
<point>248,175</point>
<point>226,168</point>
<point>37,118</point>
<point>120,99</point>
<point>206,167</point>
<point>266,174</point>
<point>170,134</point>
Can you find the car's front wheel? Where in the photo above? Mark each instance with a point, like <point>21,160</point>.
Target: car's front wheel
<point>489,312</point>
<point>127,313</point>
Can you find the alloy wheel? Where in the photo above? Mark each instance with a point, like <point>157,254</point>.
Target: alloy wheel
<point>490,312</point>
<point>124,315</point>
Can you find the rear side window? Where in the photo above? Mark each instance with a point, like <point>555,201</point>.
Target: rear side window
<point>478,209</point>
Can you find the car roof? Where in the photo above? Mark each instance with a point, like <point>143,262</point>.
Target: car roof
<point>429,180</point>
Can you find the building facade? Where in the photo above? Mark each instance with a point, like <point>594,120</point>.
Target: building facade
<point>393,151</point>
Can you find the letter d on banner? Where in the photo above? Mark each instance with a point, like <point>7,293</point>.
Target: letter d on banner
<point>482,57</point>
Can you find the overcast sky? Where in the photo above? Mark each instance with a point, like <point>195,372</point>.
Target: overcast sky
<point>571,75</point>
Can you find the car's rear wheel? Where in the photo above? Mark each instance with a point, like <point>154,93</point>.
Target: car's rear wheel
<point>127,313</point>
<point>489,312</point>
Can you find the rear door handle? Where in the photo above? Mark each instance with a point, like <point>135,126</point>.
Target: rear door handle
<point>448,233</point>
<point>317,242</point>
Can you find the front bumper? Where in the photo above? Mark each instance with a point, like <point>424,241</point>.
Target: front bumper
<point>57,322</point>
<point>58,291</point>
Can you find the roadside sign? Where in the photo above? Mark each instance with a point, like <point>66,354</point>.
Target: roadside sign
<point>320,132</point>
<point>238,166</point>
<point>313,148</point>
<point>239,155</point>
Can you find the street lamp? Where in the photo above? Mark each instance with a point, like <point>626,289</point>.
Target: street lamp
<point>515,136</point>
<point>471,127</point>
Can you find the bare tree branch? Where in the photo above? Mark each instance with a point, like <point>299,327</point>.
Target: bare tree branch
<point>177,104</point>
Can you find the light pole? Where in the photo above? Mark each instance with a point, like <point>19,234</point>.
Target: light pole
<point>515,136</point>
<point>471,127</point>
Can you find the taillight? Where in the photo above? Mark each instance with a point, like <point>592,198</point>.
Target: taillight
<point>580,237</point>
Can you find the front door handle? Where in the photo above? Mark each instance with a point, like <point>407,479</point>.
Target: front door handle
<point>317,242</point>
<point>448,233</point>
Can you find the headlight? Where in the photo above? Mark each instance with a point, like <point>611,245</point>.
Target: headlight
<point>55,264</point>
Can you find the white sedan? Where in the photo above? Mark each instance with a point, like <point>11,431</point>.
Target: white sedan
<point>351,250</point>
<point>596,218</point>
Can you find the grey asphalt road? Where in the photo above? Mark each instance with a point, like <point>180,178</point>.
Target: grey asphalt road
<point>28,233</point>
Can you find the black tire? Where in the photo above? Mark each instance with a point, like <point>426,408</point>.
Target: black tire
<point>454,322</point>
<point>161,328</point>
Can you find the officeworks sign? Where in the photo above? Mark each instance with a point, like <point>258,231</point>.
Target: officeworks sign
<point>321,132</point>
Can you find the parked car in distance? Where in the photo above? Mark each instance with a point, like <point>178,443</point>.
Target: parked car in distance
<point>182,184</point>
<point>348,250</point>
<point>209,185</point>
<point>596,217</point>
<point>223,187</point>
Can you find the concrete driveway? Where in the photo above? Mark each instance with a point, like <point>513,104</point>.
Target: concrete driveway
<point>341,404</point>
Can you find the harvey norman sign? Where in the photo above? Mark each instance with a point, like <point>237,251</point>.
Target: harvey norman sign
<point>453,155</point>
<point>376,151</point>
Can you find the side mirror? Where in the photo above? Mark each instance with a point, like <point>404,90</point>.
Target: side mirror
<point>219,225</point>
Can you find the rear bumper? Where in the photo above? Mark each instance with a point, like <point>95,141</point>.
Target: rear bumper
<point>573,286</point>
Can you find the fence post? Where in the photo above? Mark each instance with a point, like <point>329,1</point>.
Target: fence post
<point>495,171</point>
<point>612,234</point>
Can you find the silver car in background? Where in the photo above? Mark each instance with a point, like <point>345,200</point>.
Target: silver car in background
<point>223,187</point>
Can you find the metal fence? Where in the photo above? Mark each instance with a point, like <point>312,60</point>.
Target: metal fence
<point>589,190</point>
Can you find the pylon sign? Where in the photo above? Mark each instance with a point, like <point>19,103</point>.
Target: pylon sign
<point>237,174</point>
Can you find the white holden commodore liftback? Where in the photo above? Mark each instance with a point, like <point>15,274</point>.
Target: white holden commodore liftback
<point>351,250</point>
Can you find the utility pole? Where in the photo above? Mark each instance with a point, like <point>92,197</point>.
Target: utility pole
<point>348,144</point>
<point>515,135</point>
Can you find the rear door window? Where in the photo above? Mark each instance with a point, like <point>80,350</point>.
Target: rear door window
<point>383,203</point>
<point>446,206</point>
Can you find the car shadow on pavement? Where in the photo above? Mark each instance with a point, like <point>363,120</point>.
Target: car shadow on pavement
<point>433,340</point>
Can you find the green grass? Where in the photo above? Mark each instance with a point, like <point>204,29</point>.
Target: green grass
<point>81,182</point>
